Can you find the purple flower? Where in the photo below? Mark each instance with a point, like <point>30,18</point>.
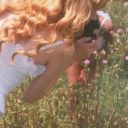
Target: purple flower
<point>105,62</point>
<point>87,62</point>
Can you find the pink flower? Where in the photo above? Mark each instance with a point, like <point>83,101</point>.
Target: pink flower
<point>95,52</point>
<point>105,62</point>
<point>126,58</point>
<point>120,31</point>
<point>87,62</point>
<point>126,29</point>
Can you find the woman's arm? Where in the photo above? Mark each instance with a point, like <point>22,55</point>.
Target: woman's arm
<point>58,60</point>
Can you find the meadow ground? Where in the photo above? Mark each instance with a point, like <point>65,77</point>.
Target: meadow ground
<point>103,105</point>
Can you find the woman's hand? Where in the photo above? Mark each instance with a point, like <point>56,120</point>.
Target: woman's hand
<point>57,60</point>
<point>84,47</point>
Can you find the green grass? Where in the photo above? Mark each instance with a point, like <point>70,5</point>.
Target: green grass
<point>104,105</point>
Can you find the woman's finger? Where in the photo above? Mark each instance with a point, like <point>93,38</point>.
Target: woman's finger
<point>84,40</point>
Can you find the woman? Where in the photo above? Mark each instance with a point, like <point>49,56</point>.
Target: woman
<point>38,36</point>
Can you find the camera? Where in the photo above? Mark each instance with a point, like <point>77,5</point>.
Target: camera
<point>90,27</point>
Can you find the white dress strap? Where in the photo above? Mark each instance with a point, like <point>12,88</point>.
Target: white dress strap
<point>105,15</point>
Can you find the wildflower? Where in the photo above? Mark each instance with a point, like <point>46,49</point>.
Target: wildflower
<point>118,40</point>
<point>95,52</point>
<point>113,33</point>
<point>120,31</point>
<point>116,66</point>
<point>87,62</point>
<point>103,52</point>
<point>125,4</point>
<point>126,29</point>
<point>126,58</point>
<point>105,62</point>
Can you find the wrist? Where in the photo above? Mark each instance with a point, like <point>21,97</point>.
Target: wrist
<point>77,56</point>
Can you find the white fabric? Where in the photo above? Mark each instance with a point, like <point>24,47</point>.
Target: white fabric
<point>104,14</point>
<point>12,75</point>
<point>2,100</point>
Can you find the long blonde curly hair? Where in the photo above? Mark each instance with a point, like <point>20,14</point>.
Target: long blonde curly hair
<point>64,19</point>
